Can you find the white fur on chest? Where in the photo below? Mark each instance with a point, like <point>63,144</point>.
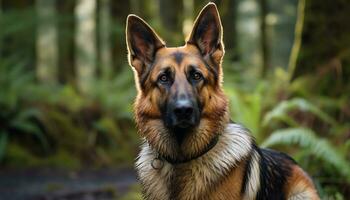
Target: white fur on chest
<point>233,145</point>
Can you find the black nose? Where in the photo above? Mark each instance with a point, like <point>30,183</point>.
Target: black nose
<point>183,109</point>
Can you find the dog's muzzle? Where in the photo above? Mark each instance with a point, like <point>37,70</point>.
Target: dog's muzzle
<point>183,114</point>
<point>181,117</point>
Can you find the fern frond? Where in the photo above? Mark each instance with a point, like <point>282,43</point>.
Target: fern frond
<point>316,146</point>
<point>280,112</point>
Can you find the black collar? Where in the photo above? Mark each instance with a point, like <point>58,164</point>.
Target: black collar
<point>172,161</point>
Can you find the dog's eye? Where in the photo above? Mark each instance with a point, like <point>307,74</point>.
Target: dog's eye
<point>197,76</point>
<point>163,78</point>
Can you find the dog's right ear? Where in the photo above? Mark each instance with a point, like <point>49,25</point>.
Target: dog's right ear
<point>142,43</point>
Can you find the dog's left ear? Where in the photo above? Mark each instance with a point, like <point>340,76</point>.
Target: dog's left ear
<point>207,34</point>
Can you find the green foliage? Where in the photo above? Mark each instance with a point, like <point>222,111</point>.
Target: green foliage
<point>17,156</point>
<point>68,127</point>
<point>15,115</point>
<point>116,95</point>
<point>93,123</point>
<point>134,193</point>
<point>295,114</point>
<point>62,159</point>
<point>281,112</point>
<point>314,145</point>
<point>246,108</point>
<point>3,143</point>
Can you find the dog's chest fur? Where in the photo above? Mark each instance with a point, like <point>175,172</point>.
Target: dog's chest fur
<point>191,180</point>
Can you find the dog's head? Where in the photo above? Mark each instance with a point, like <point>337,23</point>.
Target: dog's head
<point>180,105</point>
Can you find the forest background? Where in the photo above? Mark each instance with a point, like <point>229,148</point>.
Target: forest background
<point>66,90</point>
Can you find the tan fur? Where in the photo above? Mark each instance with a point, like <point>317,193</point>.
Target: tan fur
<point>300,186</point>
<point>229,187</point>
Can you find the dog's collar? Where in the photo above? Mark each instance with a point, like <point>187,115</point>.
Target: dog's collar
<point>157,162</point>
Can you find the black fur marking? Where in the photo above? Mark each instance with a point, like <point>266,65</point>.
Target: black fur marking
<point>212,70</point>
<point>275,168</point>
<point>178,56</point>
<point>146,70</point>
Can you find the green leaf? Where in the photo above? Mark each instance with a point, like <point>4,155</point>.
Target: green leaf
<point>29,113</point>
<point>280,112</point>
<point>316,146</point>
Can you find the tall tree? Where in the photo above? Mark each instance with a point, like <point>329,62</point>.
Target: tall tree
<point>119,11</point>
<point>98,29</point>
<point>322,45</point>
<point>264,38</point>
<point>228,12</point>
<point>46,47</point>
<point>103,45</point>
<point>19,42</point>
<point>66,29</point>
<point>171,16</point>
<point>144,8</point>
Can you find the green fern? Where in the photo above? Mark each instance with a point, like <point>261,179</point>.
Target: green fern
<point>246,108</point>
<point>280,112</point>
<point>15,114</point>
<point>316,146</point>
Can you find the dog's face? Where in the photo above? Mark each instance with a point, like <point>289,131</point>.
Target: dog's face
<point>180,105</point>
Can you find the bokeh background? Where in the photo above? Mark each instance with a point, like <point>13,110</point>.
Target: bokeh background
<point>66,90</point>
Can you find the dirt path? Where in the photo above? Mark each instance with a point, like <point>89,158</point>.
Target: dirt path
<point>48,184</point>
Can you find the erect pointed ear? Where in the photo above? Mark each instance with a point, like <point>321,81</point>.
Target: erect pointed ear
<point>207,33</point>
<point>142,43</point>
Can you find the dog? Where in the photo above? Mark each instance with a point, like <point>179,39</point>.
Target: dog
<point>191,149</point>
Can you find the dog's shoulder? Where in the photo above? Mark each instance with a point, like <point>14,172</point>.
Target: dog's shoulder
<point>269,174</point>
<point>275,175</point>
<point>275,170</point>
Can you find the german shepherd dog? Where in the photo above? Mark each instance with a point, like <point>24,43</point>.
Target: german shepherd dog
<point>191,149</point>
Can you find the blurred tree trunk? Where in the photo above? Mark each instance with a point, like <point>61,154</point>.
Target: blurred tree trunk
<point>119,11</point>
<point>144,8</point>
<point>1,38</point>
<point>199,4</point>
<point>85,49</point>
<point>46,47</point>
<point>66,29</point>
<point>171,17</point>
<point>20,45</point>
<point>103,38</point>
<point>264,38</point>
<point>321,49</point>
<point>98,35</point>
<point>228,13</point>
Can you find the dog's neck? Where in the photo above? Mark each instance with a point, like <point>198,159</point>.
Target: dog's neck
<point>173,161</point>
<point>232,146</point>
